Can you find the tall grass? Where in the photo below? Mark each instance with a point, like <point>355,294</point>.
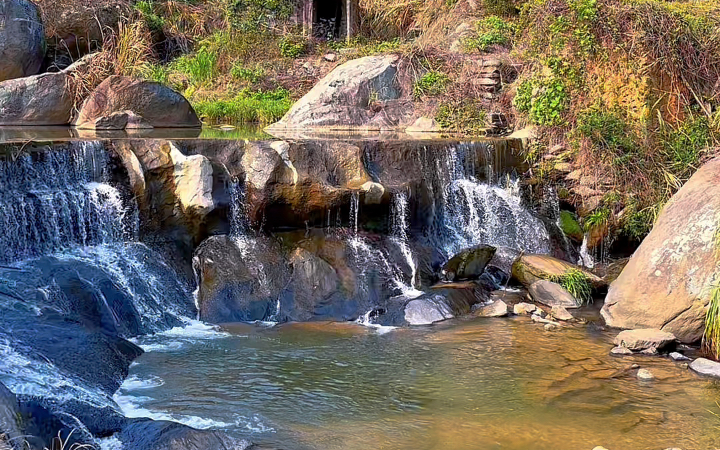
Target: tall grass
<point>711,337</point>
<point>576,283</point>
<point>246,107</point>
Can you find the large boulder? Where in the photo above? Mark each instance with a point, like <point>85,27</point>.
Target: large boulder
<point>531,268</point>
<point>22,39</point>
<point>469,263</point>
<point>152,104</point>
<point>161,435</point>
<point>360,93</point>
<point>667,283</point>
<point>552,294</point>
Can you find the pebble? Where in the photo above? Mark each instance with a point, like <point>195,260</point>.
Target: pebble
<point>676,356</point>
<point>600,448</point>
<point>621,351</point>
<point>645,375</point>
<point>635,366</point>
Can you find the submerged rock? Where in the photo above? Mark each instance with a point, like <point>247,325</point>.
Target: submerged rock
<point>645,375</point>
<point>531,268</point>
<point>161,435</point>
<point>706,367</point>
<point>158,105</point>
<point>644,339</point>
<point>621,351</point>
<point>22,39</point>
<point>498,308</point>
<point>667,282</point>
<point>552,294</point>
<point>469,264</point>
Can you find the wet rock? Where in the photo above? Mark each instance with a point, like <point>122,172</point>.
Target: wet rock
<point>540,319</point>
<point>469,263</point>
<point>645,375</point>
<point>9,414</point>
<point>560,313</point>
<point>193,180</point>
<point>643,339</point>
<point>504,258</point>
<point>498,308</point>
<point>621,351</point>
<point>359,93</point>
<point>240,280</point>
<point>524,308</point>
<point>552,294</point>
<point>665,283</point>
<point>160,435</point>
<point>317,288</point>
<point>706,367</point>
<point>444,301</point>
<point>426,311</point>
<point>531,268</point>
<point>676,356</point>
<point>550,327</point>
<point>158,105</point>
<point>22,40</point>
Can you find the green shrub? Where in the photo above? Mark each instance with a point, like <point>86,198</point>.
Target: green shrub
<point>577,283</point>
<point>500,7</point>
<point>200,67</point>
<point>152,20</point>
<point>292,46</point>
<point>684,145</point>
<point>247,106</point>
<point>491,30</point>
<point>239,72</point>
<point>465,116</point>
<point>637,224</point>
<point>432,83</point>
<point>607,130</point>
<point>155,72</point>
<point>253,15</point>
<point>545,99</point>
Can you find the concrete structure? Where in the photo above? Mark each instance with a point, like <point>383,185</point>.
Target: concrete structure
<point>328,19</point>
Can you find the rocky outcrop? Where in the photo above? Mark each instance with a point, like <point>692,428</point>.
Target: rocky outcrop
<point>552,294</point>
<point>364,92</point>
<point>668,281</point>
<point>22,39</point>
<point>531,268</point>
<point>469,264</point>
<point>151,104</point>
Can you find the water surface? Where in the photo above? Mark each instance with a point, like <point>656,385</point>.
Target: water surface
<point>472,384</point>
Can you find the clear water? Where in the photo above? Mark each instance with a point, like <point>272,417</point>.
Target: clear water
<point>474,384</point>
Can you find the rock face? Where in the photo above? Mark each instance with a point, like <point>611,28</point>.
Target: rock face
<point>360,93</point>
<point>552,294</point>
<point>644,339</point>
<point>706,367</point>
<point>531,268</point>
<point>468,264</point>
<point>22,39</point>
<point>668,280</point>
<point>152,104</point>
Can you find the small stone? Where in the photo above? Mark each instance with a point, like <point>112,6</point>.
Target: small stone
<point>645,375</point>
<point>550,327</point>
<point>524,308</point>
<point>676,356</point>
<point>621,351</point>
<point>330,57</point>
<point>600,448</point>
<point>706,367</point>
<point>652,351</point>
<point>560,313</point>
<point>497,308</point>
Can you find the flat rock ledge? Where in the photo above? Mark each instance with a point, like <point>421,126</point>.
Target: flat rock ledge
<point>706,367</point>
<point>649,340</point>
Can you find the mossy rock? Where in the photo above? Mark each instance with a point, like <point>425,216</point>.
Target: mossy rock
<point>570,226</point>
<point>531,268</point>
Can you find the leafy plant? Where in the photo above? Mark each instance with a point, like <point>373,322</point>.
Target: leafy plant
<point>576,283</point>
<point>431,83</point>
<point>597,219</point>
<point>545,99</point>
<point>491,30</point>
<point>292,46</point>
<point>153,21</point>
<point>711,336</point>
<point>239,72</point>
<point>200,67</point>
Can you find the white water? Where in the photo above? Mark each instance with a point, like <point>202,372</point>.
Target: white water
<point>586,260</point>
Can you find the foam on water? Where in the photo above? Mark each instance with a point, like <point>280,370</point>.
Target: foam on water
<point>176,338</point>
<point>131,406</point>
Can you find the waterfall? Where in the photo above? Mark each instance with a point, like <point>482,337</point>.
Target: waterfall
<point>474,212</point>
<point>399,234</point>
<point>239,221</point>
<point>585,259</point>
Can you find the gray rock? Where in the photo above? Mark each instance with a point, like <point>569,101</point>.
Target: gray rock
<point>161,435</point>
<point>9,413</point>
<point>645,375</point>
<point>560,313</point>
<point>646,338</point>
<point>706,367</point>
<point>621,351</point>
<point>552,294</point>
<point>498,308</point>
<point>37,100</point>
<point>22,39</point>
<point>675,356</point>
<point>524,308</point>
<point>425,311</point>
<point>469,264</point>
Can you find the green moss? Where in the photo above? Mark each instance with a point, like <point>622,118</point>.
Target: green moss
<point>431,83</point>
<point>570,225</point>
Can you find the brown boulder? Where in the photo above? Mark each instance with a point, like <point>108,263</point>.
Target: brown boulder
<point>158,105</point>
<point>668,281</point>
<point>531,268</point>
<point>22,39</point>
<point>38,100</point>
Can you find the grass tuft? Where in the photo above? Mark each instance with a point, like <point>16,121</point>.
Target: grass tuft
<point>576,283</point>
<point>711,337</point>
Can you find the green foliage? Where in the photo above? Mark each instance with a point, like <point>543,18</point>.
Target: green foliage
<point>152,20</point>
<point>253,15</point>
<point>156,72</point>
<point>576,283</point>
<point>432,83</point>
<point>247,106</point>
<point>292,46</point>
<point>465,116</point>
<point>200,67</point>
<point>684,145</point>
<point>545,99</point>
<point>500,7</point>
<point>491,30</point>
<point>570,225</point>
<point>711,336</point>
<point>607,130</point>
<point>597,219</point>
<point>239,72</point>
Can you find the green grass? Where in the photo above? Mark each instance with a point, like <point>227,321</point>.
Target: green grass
<point>490,31</point>
<point>240,72</point>
<point>576,283</point>
<point>597,219</point>
<point>466,116</point>
<point>292,46</point>
<point>711,337</point>
<point>431,83</point>
<point>246,107</point>
<point>200,67</point>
